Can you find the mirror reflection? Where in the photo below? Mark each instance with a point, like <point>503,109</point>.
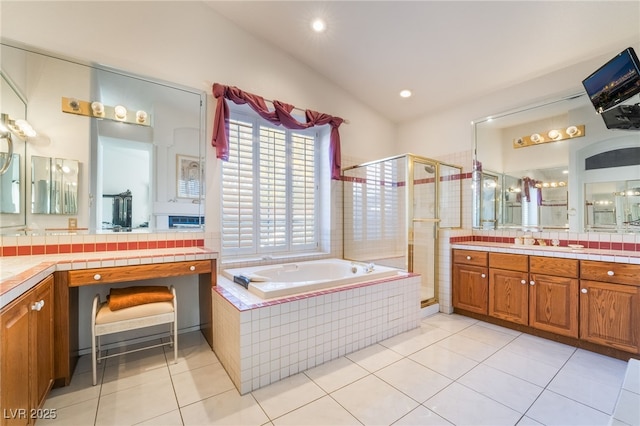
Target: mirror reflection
<point>144,157</point>
<point>12,155</point>
<point>612,206</point>
<point>533,171</point>
<point>54,185</point>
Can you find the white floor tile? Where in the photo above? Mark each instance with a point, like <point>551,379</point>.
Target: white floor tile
<point>509,390</point>
<point>422,416</point>
<point>336,374</point>
<point>552,409</point>
<point>321,412</point>
<point>136,404</point>
<point>495,336</point>
<point>374,357</point>
<point>443,361</point>
<point>413,379</point>
<point>229,408</point>
<point>201,383</point>
<point>632,376</point>
<point>374,402</point>
<point>83,413</point>
<point>542,350</point>
<point>191,357</point>
<point>463,406</point>
<point>467,347</point>
<point>453,322</point>
<point>416,340</point>
<point>628,408</point>
<point>288,394</point>
<point>581,388</point>
<point>526,368</point>
<point>116,380</point>
<point>80,389</point>
<point>172,418</point>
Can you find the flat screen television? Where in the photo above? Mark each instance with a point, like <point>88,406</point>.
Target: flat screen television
<point>614,82</point>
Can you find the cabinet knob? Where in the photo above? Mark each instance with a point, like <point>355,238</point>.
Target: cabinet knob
<point>523,282</point>
<point>192,268</point>
<point>583,291</point>
<point>532,282</point>
<point>483,275</point>
<point>610,273</point>
<point>97,277</point>
<point>37,305</point>
<point>468,257</point>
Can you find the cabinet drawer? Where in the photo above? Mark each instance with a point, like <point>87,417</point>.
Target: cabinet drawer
<point>610,272</point>
<point>137,272</point>
<point>554,266</point>
<point>470,257</point>
<point>511,262</point>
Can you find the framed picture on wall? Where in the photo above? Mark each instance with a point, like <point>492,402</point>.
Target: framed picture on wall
<point>189,177</point>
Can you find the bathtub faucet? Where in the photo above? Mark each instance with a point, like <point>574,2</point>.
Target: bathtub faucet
<point>367,267</point>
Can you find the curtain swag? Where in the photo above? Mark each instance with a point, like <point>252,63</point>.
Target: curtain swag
<point>281,115</point>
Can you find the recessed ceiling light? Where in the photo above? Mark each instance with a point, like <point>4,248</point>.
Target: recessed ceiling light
<point>405,93</point>
<point>318,25</point>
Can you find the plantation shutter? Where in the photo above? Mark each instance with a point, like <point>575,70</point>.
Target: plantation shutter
<point>273,189</point>
<point>238,233</point>
<point>303,191</point>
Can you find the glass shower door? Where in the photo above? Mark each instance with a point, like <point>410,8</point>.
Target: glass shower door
<point>423,228</point>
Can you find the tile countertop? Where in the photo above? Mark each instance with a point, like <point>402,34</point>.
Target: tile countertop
<point>18,274</point>
<point>619,256</point>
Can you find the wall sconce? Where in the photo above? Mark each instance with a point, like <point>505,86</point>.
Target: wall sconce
<point>97,109</point>
<point>553,135</point>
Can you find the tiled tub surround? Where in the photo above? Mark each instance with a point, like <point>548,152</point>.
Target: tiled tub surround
<point>262,341</point>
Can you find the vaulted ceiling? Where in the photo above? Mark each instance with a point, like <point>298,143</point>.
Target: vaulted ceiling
<point>445,52</point>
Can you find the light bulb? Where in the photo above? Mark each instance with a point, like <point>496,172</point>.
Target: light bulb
<point>141,116</point>
<point>121,112</point>
<point>97,108</point>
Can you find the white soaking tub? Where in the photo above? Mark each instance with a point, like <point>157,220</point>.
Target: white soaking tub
<point>271,281</point>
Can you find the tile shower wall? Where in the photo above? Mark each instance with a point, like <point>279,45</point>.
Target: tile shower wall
<point>263,345</point>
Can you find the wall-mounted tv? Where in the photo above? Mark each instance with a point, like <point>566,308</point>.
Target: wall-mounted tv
<point>614,82</point>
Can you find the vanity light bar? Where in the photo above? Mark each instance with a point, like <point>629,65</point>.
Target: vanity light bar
<point>98,110</point>
<point>20,127</point>
<point>553,135</point>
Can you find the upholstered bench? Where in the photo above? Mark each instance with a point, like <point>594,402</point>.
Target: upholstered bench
<point>133,314</point>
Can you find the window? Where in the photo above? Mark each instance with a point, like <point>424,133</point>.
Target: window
<point>269,189</point>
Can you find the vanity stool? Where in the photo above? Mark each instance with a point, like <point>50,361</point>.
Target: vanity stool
<point>106,321</point>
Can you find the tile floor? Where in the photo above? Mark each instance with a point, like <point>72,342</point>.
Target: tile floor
<point>452,370</point>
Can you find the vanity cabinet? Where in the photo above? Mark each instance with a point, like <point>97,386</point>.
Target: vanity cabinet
<point>26,354</point>
<point>553,295</point>
<point>610,304</point>
<point>470,281</point>
<point>508,287</point>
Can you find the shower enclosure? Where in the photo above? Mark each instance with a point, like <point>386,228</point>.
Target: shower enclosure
<point>393,209</point>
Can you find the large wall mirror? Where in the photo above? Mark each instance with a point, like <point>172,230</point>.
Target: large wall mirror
<point>12,155</point>
<point>114,157</point>
<point>532,170</point>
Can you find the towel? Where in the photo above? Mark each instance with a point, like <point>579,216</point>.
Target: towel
<point>120,298</point>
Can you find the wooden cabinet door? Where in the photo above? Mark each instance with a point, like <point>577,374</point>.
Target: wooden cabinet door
<point>508,295</point>
<point>610,315</point>
<point>553,304</point>
<point>14,363</point>
<point>42,334</point>
<point>470,288</point>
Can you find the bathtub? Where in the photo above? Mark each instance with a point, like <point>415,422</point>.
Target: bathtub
<point>272,281</point>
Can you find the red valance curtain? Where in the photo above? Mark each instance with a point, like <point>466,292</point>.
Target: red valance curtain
<point>281,115</point>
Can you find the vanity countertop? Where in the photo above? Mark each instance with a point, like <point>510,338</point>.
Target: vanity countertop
<point>18,274</point>
<point>619,256</point>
